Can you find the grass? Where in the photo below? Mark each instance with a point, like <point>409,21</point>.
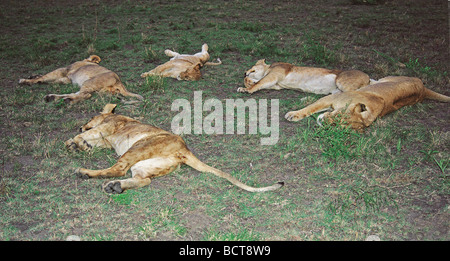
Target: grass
<point>338,142</point>
<point>321,55</point>
<point>391,180</point>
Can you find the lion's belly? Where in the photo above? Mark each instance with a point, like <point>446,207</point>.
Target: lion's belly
<point>123,142</point>
<point>78,78</point>
<point>310,83</point>
<point>85,73</point>
<point>171,69</point>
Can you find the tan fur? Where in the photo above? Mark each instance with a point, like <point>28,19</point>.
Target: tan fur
<point>87,74</point>
<point>308,79</point>
<point>148,151</point>
<point>361,107</point>
<point>183,66</point>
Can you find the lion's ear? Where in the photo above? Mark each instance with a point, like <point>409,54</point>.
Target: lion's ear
<point>360,107</point>
<point>198,66</point>
<point>262,61</point>
<point>109,108</point>
<point>94,58</point>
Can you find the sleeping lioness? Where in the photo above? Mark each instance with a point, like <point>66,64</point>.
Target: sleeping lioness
<point>148,151</point>
<point>279,76</point>
<point>87,74</point>
<point>361,107</point>
<point>183,66</point>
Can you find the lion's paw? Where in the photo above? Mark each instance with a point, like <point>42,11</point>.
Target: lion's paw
<point>81,175</point>
<point>49,98</point>
<point>293,116</point>
<point>242,89</point>
<point>112,187</point>
<point>68,100</point>
<point>86,146</point>
<point>70,144</point>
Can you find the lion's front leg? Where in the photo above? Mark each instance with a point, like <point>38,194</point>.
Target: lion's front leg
<point>85,141</point>
<point>153,72</point>
<point>296,115</point>
<point>146,74</point>
<point>117,170</point>
<point>56,76</point>
<point>167,69</point>
<point>159,70</point>
<point>267,82</point>
<point>322,104</point>
<point>78,143</point>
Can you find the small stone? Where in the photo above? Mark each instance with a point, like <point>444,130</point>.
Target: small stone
<point>288,155</point>
<point>373,238</point>
<point>73,238</point>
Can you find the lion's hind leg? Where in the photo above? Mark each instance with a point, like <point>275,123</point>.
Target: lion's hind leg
<point>56,76</point>
<point>119,186</point>
<point>68,98</point>
<point>171,53</point>
<point>142,172</point>
<point>351,80</point>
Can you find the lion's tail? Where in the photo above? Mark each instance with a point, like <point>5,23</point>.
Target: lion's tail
<point>429,94</point>
<point>218,62</point>
<point>125,92</point>
<point>195,163</point>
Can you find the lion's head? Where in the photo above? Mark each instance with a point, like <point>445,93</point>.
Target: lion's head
<point>256,73</point>
<point>191,74</point>
<point>357,113</point>
<point>249,82</point>
<point>108,109</point>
